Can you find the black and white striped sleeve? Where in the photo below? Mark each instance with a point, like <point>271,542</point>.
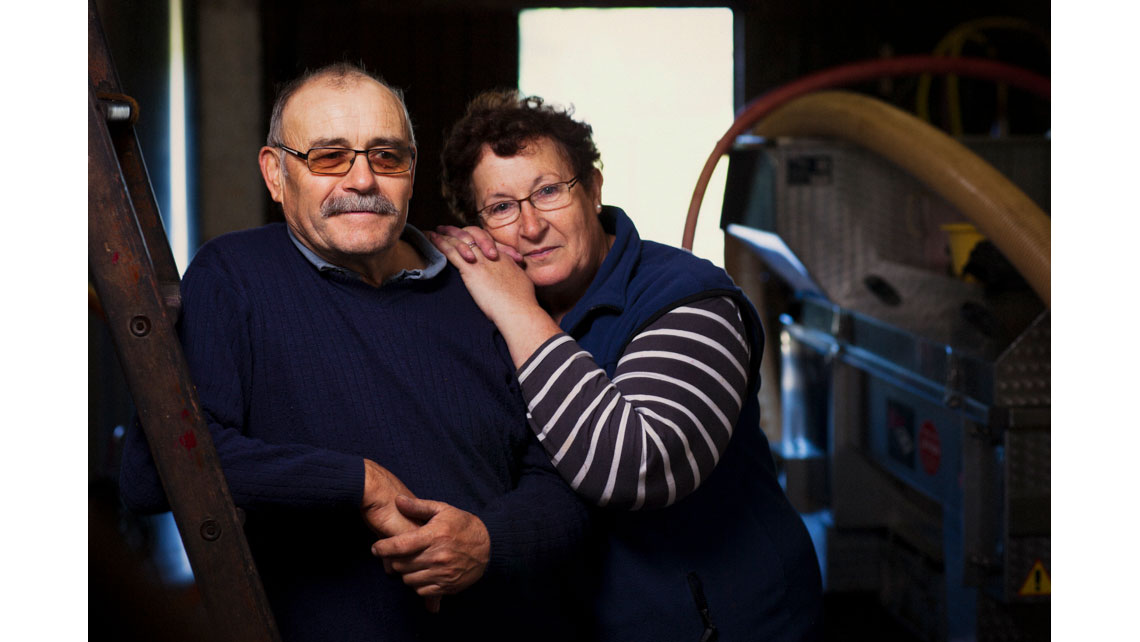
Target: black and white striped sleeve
<point>651,435</point>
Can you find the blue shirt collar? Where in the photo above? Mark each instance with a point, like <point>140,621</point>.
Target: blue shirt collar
<point>436,261</point>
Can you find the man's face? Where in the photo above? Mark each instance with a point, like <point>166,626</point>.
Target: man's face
<point>346,220</point>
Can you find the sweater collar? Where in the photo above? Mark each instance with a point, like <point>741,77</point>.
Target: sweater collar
<point>608,289</point>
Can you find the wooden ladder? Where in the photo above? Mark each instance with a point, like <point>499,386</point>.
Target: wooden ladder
<point>137,281</point>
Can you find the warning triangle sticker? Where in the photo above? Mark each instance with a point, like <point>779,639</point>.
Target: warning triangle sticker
<point>1037,583</point>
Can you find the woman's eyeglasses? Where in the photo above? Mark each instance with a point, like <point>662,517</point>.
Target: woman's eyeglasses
<point>546,198</point>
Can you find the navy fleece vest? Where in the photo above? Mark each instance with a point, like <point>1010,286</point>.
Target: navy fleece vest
<point>737,534</point>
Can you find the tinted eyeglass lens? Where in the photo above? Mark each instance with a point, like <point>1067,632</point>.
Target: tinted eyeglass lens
<point>330,160</point>
<point>336,160</point>
<point>389,160</point>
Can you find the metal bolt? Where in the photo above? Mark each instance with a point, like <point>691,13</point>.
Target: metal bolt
<point>211,530</point>
<point>140,326</point>
<point>116,111</point>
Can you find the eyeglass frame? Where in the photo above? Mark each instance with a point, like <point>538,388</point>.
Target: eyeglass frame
<point>569,186</point>
<point>356,152</point>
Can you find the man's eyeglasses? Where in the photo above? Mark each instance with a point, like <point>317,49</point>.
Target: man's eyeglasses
<point>546,198</point>
<point>337,161</point>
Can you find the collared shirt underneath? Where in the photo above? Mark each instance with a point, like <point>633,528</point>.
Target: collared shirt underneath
<point>435,259</point>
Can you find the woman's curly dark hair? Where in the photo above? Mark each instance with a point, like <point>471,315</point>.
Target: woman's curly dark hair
<point>507,121</point>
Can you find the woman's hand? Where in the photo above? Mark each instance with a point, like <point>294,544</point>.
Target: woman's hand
<point>499,286</point>
<point>468,235</point>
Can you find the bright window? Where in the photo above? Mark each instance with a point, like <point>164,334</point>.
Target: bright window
<point>177,213</point>
<point>657,87</point>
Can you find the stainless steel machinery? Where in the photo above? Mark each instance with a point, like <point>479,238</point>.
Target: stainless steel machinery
<point>912,418</point>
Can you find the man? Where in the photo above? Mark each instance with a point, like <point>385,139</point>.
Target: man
<point>345,372</point>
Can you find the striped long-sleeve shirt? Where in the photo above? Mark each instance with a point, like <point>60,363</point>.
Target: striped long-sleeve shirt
<point>649,436</point>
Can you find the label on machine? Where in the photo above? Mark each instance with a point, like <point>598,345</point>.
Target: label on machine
<point>929,447</point>
<point>900,433</point>
<point>1037,583</point>
<point>809,170</point>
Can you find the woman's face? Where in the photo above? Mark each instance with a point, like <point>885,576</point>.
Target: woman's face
<point>562,248</point>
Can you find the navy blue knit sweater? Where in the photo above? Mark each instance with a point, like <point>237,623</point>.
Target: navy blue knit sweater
<point>301,375</point>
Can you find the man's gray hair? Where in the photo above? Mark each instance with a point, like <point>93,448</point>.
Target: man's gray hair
<point>339,75</point>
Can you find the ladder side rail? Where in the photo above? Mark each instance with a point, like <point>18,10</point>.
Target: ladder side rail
<point>102,75</point>
<point>167,403</point>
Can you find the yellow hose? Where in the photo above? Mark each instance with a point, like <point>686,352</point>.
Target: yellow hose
<point>951,45</point>
<point>1008,217</point>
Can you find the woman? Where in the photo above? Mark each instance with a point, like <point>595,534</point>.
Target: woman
<point>638,364</point>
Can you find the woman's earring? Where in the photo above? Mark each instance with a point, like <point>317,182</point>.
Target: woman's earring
<point>599,207</point>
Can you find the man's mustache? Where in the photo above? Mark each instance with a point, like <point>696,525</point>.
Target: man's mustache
<point>376,203</point>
